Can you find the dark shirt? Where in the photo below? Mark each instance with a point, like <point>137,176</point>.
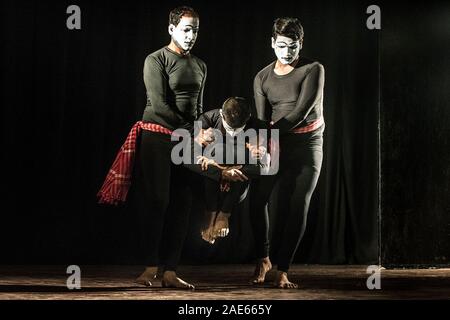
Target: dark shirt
<point>213,119</point>
<point>293,100</point>
<point>174,85</point>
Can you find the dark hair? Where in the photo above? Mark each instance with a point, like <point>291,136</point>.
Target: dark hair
<point>236,111</point>
<point>176,14</point>
<point>288,27</point>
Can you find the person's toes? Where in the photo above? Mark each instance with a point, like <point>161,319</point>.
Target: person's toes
<point>190,286</point>
<point>291,285</point>
<point>286,285</point>
<point>222,232</point>
<point>172,281</point>
<point>144,282</point>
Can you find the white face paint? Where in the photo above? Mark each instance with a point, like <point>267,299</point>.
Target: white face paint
<point>286,49</point>
<point>185,33</point>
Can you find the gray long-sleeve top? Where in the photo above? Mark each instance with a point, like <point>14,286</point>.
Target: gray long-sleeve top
<point>174,85</point>
<point>293,100</point>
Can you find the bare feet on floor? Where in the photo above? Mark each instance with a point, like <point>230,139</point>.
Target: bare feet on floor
<point>170,280</point>
<point>221,228</point>
<point>147,278</point>
<point>282,281</point>
<point>262,267</point>
<point>208,229</point>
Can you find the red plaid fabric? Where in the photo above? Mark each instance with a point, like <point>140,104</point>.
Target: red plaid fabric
<point>274,146</point>
<point>118,180</point>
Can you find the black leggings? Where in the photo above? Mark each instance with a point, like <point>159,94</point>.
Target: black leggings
<point>166,201</point>
<point>300,164</point>
<point>216,200</point>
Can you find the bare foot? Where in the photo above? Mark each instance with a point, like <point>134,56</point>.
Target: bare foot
<point>149,275</point>
<point>207,235</point>
<point>282,281</point>
<point>170,280</point>
<point>207,230</point>
<point>262,267</point>
<point>221,228</point>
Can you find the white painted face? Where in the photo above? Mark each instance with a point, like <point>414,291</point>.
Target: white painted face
<point>185,33</point>
<point>286,49</point>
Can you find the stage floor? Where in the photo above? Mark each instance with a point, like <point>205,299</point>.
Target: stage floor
<point>222,282</point>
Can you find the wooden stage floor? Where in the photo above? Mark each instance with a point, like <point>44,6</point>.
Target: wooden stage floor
<point>222,282</point>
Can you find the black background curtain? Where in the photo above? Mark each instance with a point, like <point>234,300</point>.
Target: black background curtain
<point>69,98</point>
<point>415,132</point>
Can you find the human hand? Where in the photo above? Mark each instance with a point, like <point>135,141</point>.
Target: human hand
<point>205,137</point>
<point>256,152</point>
<point>205,162</point>
<point>208,135</point>
<point>233,174</point>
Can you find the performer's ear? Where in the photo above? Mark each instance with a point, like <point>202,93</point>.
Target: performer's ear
<point>273,43</point>
<point>171,27</point>
<point>301,45</point>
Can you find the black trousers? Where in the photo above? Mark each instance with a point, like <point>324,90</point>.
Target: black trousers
<point>165,202</point>
<point>300,164</point>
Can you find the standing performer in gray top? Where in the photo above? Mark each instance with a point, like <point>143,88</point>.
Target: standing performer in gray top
<point>174,79</point>
<point>288,93</point>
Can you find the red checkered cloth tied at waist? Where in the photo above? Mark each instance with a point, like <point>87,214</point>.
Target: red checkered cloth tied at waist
<point>310,127</point>
<point>274,146</point>
<point>118,180</point>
